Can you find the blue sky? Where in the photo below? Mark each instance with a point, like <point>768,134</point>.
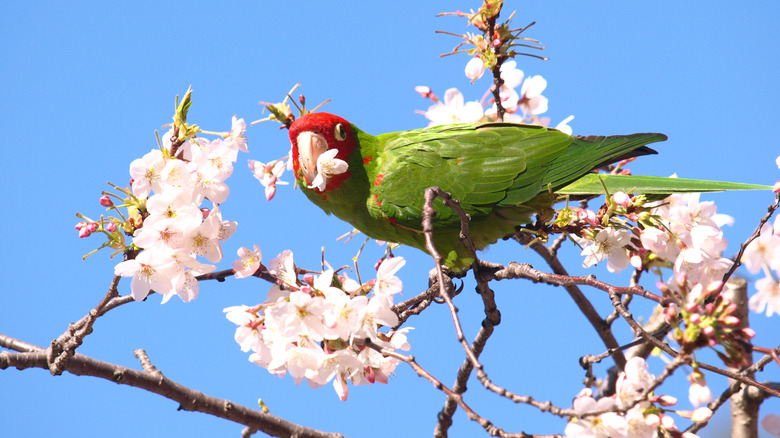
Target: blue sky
<point>83,87</point>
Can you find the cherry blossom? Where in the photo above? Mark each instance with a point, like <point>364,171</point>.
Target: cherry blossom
<point>634,380</point>
<point>765,250</point>
<point>268,175</point>
<point>328,166</point>
<point>386,281</point>
<point>532,101</point>
<point>150,270</point>
<point>453,110</point>
<point>248,263</point>
<point>767,298</point>
<point>236,140</point>
<point>611,244</point>
<point>146,173</point>
<point>607,425</point>
<point>314,331</point>
<point>249,325</point>
<point>204,239</point>
<point>283,268</point>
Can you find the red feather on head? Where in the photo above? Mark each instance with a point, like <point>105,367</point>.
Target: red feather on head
<point>322,132</point>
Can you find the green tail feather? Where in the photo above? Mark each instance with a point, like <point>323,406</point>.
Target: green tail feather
<point>588,153</point>
<point>594,184</point>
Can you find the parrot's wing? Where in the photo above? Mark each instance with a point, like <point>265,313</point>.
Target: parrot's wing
<point>480,165</point>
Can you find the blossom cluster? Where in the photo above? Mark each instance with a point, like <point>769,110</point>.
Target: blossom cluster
<point>646,414</point>
<point>170,227</point>
<point>314,329</point>
<point>763,255</point>
<point>682,234</point>
<point>523,106</point>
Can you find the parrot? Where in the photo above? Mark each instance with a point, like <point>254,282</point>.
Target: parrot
<point>501,173</point>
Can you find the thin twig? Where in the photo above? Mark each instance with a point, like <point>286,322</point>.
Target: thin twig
<point>738,258</point>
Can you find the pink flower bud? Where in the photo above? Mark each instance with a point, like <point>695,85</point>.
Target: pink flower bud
<point>749,332</point>
<point>636,262</point>
<point>585,392</point>
<point>668,422</point>
<point>308,279</point>
<point>652,420</point>
<point>666,400</point>
<point>587,216</point>
<point>731,321</point>
<point>110,227</point>
<point>695,318</point>
<point>621,199</point>
<point>370,374</point>
<point>105,201</point>
<point>708,330</point>
<point>270,189</point>
<point>670,313</point>
<point>475,68</point>
<point>81,225</point>
<point>425,92</point>
<point>701,414</point>
<point>87,229</point>
<point>715,286</point>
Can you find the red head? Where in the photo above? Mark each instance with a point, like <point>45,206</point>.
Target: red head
<point>311,136</point>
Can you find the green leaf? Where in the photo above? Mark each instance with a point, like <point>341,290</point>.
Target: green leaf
<point>593,184</point>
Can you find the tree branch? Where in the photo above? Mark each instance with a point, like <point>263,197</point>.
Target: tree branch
<point>190,400</point>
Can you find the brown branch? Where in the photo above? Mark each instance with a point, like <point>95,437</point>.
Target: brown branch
<point>587,309</point>
<point>489,427</point>
<point>188,399</point>
<point>492,319</point>
<point>483,272</point>
<point>421,301</point>
<point>738,258</point>
<point>736,386</point>
<point>498,82</point>
<point>64,347</point>
<point>670,351</point>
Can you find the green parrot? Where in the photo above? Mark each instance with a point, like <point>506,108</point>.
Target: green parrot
<point>502,174</point>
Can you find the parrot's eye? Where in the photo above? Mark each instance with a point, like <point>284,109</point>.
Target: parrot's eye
<point>340,132</point>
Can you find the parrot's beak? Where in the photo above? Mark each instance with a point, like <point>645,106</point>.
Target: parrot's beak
<point>310,147</point>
